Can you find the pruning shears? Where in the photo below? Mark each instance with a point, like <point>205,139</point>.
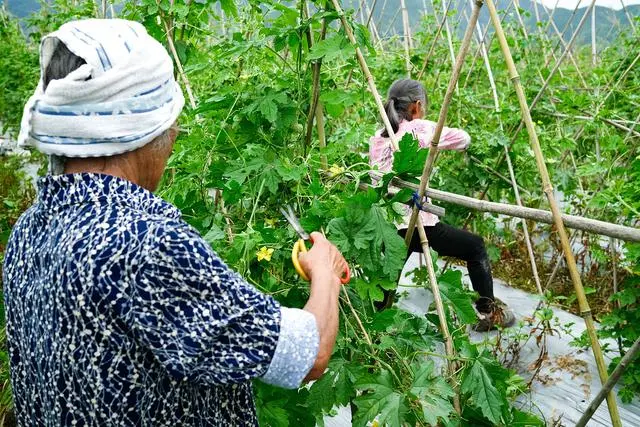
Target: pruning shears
<point>299,245</point>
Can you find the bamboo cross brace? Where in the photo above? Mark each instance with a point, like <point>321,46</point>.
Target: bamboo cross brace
<point>557,215</point>
<point>433,150</point>
<point>613,379</point>
<point>367,73</point>
<point>621,232</point>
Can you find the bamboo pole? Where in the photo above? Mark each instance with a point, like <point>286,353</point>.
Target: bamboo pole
<point>594,48</point>
<point>407,47</point>
<point>550,19</point>
<point>512,176</point>
<point>372,25</point>
<point>557,215</point>
<point>447,31</point>
<point>433,150</point>
<point>176,58</point>
<point>603,228</point>
<point>437,298</point>
<point>487,43</point>
<point>435,39</point>
<point>626,12</point>
<point>316,84</point>
<point>367,73</point>
<point>564,45</point>
<point>613,379</point>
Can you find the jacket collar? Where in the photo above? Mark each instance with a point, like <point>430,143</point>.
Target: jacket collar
<point>55,192</point>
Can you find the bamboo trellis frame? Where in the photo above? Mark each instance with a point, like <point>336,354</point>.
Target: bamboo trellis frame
<point>554,216</point>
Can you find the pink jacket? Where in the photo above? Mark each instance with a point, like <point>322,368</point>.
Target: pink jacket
<point>381,152</point>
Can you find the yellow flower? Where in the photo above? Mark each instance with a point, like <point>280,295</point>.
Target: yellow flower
<point>264,253</point>
<point>270,222</point>
<point>335,169</point>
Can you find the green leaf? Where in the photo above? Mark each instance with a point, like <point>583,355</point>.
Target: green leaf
<point>229,7</point>
<point>387,237</point>
<point>525,419</point>
<point>334,47</point>
<point>410,158</point>
<point>269,109</point>
<point>368,289</point>
<point>483,393</point>
<point>380,400</point>
<point>450,285</point>
<point>334,388</point>
<point>433,392</point>
<point>214,234</point>
<point>274,413</point>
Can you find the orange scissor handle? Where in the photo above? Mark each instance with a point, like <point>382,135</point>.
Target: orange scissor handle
<point>298,247</point>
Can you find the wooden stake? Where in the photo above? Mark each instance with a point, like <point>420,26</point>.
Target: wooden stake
<point>433,150</point>
<point>557,215</point>
<point>367,73</point>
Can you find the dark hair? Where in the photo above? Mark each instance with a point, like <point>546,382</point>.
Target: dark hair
<point>62,62</point>
<point>402,94</point>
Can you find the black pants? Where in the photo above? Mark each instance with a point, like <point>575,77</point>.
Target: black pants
<point>450,241</point>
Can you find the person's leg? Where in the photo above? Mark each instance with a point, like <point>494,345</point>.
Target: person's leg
<point>450,241</point>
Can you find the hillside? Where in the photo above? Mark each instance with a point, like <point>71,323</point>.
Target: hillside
<point>608,25</point>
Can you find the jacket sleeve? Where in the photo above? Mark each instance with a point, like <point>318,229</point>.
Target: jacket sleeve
<point>207,325</point>
<point>450,139</point>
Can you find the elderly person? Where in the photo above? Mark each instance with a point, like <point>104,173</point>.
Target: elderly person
<point>118,312</point>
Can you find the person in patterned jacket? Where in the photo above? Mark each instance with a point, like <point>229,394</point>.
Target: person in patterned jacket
<point>118,312</point>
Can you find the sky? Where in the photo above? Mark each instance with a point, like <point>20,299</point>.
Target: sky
<point>571,4</point>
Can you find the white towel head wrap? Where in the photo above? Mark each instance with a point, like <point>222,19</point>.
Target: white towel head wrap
<point>122,98</point>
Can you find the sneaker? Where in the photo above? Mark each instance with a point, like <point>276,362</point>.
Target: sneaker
<point>499,316</point>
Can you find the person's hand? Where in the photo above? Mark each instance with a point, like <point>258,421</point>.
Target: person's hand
<point>322,258</point>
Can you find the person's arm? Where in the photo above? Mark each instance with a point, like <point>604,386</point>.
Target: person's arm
<point>450,138</point>
<point>324,265</point>
<point>205,324</point>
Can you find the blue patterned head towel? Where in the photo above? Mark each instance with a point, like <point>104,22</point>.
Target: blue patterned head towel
<point>122,98</point>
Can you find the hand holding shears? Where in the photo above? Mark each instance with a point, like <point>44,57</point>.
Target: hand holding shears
<point>299,245</point>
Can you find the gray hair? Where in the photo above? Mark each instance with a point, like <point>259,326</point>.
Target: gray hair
<point>402,94</point>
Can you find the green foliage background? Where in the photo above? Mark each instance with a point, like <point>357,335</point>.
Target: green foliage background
<point>250,68</point>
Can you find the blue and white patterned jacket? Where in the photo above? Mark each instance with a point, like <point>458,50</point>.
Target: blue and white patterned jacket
<point>120,314</point>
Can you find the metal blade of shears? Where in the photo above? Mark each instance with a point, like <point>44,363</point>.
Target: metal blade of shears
<point>294,221</point>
